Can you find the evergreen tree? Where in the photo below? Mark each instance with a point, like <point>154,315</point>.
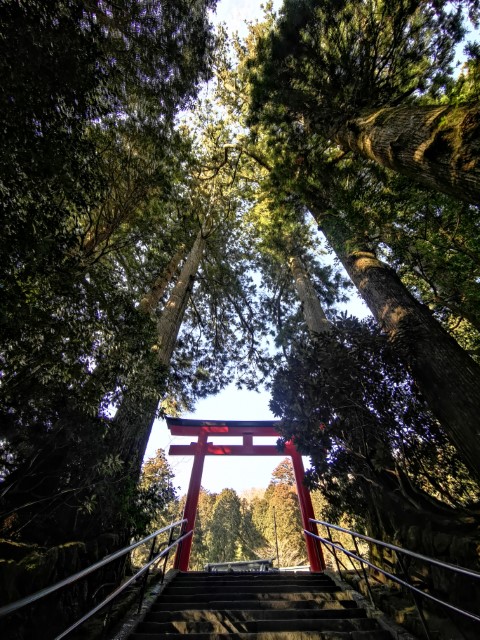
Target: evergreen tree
<point>224,528</point>
<point>348,73</point>
<point>277,516</point>
<point>300,167</point>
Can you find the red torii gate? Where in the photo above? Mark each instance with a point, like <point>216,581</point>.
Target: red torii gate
<point>205,428</point>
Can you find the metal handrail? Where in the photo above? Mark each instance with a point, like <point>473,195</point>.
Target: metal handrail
<point>23,602</point>
<point>407,552</point>
<point>398,550</point>
<point>122,587</point>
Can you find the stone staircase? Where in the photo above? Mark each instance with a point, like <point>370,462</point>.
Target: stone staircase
<point>256,606</point>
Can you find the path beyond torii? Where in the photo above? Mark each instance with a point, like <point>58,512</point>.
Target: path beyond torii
<point>203,429</point>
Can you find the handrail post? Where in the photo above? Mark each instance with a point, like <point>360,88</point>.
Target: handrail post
<point>418,606</point>
<point>23,602</point>
<point>334,551</point>
<point>365,574</point>
<point>470,573</point>
<point>351,560</point>
<point>276,536</point>
<point>145,578</point>
<point>170,540</point>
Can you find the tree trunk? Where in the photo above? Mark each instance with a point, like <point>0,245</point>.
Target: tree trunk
<point>438,146</point>
<point>47,515</point>
<point>350,406</point>
<point>313,313</point>
<point>394,503</point>
<point>151,299</point>
<point>444,373</point>
<point>134,419</point>
<point>172,315</point>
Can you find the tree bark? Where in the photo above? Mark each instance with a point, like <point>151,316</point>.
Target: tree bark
<point>438,146</point>
<point>171,319</point>
<point>134,419</point>
<point>151,299</point>
<point>394,504</point>
<point>444,373</point>
<point>313,313</point>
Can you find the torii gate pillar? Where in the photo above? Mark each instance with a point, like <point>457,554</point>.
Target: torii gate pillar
<point>201,448</point>
<point>182,556</point>
<point>314,550</point>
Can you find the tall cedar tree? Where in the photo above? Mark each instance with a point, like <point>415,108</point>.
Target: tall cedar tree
<point>302,162</point>
<point>349,72</point>
<point>340,412</point>
<point>88,69</point>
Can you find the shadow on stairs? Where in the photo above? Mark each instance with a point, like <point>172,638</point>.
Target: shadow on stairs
<point>263,606</point>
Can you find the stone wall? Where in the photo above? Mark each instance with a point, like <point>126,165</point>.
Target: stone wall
<point>26,569</point>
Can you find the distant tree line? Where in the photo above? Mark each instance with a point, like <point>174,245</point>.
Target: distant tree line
<point>232,527</point>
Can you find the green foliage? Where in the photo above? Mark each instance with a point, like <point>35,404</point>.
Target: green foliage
<point>225,530</point>
<point>100,192</point>
<point>229,528</point>
<point>277,517</point>
<point>200,555</point>
<point>156,499</point>
<point>322,62</point>
<point>317,63</point>
<point>82,63</point>
<point>224,527</point>
<point>283,474</point>
<point>434,244</point>
<point>282,503</point>
<point>152,54</point>
<point>466,87</point>
<point>78,185</point>
<point>88,158</point>
<point>353,408</point>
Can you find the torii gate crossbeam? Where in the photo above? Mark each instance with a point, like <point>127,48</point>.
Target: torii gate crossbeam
<point>247,430</point>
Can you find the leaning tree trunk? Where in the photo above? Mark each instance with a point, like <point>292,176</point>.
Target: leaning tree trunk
<point>134,419</point>
<point>347,403</point>
<point>46,515</point>
<point>444,373</point>
<point>394,505</point>
<point>438,146</point>
<point>313,313</point>
<point>151,299</point>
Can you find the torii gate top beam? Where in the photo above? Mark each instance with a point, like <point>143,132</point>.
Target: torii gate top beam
<point>189,427</point>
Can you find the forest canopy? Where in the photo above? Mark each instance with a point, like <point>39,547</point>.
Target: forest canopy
<point>182,208</point>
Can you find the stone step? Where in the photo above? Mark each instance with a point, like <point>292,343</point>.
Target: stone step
<point>257,581</point>
<point>242,615</point>
<point>192,577</point>
<point>320,601</point>
<point>257,626</point>
<point>249,575</point>
<point>257,577</point>
<point>274,635</point>
<point>254,595</point>
<point>256,607</point>
<point>180,590</point>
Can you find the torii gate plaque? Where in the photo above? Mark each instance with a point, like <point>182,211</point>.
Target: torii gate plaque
<point>205,428</point>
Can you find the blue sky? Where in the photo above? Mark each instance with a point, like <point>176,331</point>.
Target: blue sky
<point>231,404</point>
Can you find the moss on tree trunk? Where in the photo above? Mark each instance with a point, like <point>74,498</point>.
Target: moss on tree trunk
<point>438,146</point>
<point>445,374</point>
